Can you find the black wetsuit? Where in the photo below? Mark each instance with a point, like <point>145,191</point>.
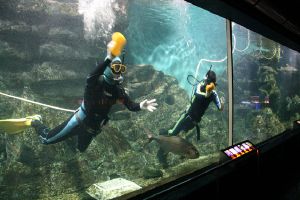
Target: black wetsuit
<point>193,114</point>
<point>87,121</point>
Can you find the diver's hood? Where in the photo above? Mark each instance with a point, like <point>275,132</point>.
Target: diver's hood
<point>116,60</point>
<point>211,77</point>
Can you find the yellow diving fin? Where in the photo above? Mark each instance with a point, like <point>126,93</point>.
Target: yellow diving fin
<point>13,126</point>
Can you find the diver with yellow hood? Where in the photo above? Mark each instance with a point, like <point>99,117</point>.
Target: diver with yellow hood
<point>103,89</point>
<point>203,95</point>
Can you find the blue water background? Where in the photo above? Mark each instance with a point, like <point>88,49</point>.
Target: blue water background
<point>173,36</point>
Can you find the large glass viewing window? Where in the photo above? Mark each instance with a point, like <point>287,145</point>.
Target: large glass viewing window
<point>183,42</point>
<point>266,77</point>
<point>48,51</point>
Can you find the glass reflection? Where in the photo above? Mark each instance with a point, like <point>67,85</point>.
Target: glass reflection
<point>265,93</point>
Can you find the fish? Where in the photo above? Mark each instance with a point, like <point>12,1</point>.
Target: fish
<point>288,68</point>
<point>175,145</point>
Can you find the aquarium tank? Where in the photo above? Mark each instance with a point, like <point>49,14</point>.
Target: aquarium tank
<point>122,128</point>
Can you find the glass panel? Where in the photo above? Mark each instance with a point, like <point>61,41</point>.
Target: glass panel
<point>48,50</point>
<point>266,98</point>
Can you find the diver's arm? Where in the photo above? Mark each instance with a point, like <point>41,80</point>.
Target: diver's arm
<point>198,91</point>
<point>132,106</point>
<point>100,68</point>
<point>209,88</point>
<point>203,93</point>
<point>219,103</point>
<point>93,77</point>
<point>222,105</point>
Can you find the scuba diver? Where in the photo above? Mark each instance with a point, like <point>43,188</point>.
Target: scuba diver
<point>203,94</point>
<point>103,89</point>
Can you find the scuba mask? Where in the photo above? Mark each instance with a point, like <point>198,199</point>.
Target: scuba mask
<point>113,73</point>
<point>118,68</point>
<point>112,78</point>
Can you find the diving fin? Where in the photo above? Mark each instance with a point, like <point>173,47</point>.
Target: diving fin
<point>13,126</point>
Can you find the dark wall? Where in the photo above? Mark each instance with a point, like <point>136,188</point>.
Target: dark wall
<point>246,14</point>
<point>271,172</point>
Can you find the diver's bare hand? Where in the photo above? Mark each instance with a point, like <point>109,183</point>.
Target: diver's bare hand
<point>222,100</point>
<point>149,105</point>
